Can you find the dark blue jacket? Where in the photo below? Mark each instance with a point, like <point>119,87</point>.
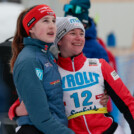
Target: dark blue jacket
<point>92,48</point>
<point>38,84</point>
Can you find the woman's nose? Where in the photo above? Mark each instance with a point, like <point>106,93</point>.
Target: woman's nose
<point>52,24</point>
<point>78,36</point>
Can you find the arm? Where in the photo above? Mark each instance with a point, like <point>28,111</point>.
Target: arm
<point>104,99</point>
<point>31,91</point>
<point>12,112</point>
<point>19,109</point>
<point>119,93</point>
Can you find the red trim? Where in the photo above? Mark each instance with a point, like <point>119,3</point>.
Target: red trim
<point>11,112</point>
<point>66,63</point>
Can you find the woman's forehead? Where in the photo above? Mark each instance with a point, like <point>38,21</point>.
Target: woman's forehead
<point>77,29</point>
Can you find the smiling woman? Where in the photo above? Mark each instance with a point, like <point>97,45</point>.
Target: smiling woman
<point>84,83</point>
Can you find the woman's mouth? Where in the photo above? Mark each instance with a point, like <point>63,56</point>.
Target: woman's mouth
<point>78,44</point>
<point>50,33</point>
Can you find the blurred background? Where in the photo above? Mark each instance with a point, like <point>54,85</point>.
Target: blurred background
<point>115,25</point>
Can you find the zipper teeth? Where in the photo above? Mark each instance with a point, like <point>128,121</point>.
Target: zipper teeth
<point>73,64</point>
<point>86,124</point>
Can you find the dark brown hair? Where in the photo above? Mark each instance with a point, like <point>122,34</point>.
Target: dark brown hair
<point>17,44</point>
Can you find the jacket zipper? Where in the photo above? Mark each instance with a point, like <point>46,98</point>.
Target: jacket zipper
<point>86,124</point>
<point>83,115</point>
<point>73,65</point>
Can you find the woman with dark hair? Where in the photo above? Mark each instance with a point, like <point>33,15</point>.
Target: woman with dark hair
<point>36,75</point>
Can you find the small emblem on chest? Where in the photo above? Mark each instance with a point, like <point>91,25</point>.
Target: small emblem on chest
<point>39,73</point>
<point>93,63</point>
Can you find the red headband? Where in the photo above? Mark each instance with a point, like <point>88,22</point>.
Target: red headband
<point>35,14</point>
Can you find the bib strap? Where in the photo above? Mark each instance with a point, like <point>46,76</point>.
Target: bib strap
<point>96,111</point>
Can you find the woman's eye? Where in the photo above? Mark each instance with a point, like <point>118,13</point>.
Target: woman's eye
<point>54,21</point>
<point>45,20</point>
<point>72,33</point>
<point>82,34</point>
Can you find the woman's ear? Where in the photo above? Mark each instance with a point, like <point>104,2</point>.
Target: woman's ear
<point>59,43</point>
<point>31,30</point>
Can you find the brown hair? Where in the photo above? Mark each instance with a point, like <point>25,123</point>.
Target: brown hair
<point>17,44</point>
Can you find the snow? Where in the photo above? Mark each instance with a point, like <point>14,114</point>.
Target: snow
<point>8,16</point>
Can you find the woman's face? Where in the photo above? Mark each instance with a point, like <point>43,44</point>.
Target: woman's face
<point>72,43</point>
<point>44,29</point>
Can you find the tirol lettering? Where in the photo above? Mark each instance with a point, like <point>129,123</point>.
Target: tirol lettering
<point>79,80</point>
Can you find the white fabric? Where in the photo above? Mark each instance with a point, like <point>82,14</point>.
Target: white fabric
<point>82,89</point>
<point>17,129</point>
<point>119,130</point>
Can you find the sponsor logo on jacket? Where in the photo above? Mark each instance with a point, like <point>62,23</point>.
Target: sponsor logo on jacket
<point>114,75</point>
<point>79,80</point>
<point>55,82</point>
<point>39,73</point>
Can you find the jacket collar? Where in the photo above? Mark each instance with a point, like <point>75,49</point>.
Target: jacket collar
<point>68,63</point>
<point>36,42</point>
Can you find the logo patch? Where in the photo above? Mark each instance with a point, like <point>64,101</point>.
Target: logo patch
<point>39,73</point>
<point>92,63</point>
<point>61,33</point>
<point>31,21</point>
<point>48,64</point>
<point>99,96</point>
<point>114,75</point>
<point>75,21</point>
<point>54,82</point>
